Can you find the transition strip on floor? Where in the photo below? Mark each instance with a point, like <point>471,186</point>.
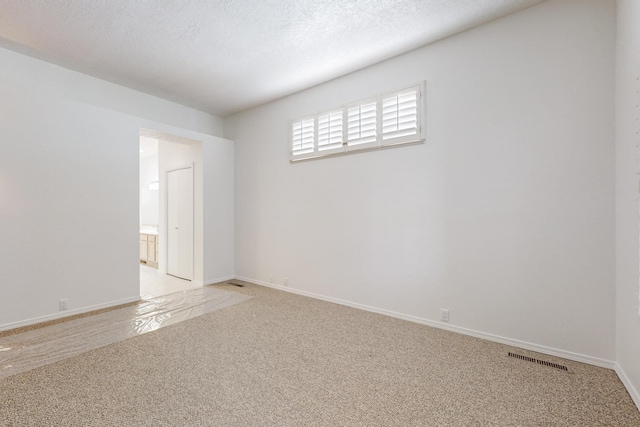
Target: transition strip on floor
<point>39,347</point>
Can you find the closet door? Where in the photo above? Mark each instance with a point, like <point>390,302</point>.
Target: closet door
<point>180,223</point>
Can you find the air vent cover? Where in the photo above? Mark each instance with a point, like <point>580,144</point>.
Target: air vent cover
<point>538,361</point>
<point>235,284</point>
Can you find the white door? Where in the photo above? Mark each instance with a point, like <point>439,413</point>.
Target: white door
<point>180,223</point>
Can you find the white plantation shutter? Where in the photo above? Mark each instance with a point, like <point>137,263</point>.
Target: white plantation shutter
<point>387,120</point>
<point>400,115</point>
<point>303,137</point>
<point>361,124</point>
<point>330,131</point>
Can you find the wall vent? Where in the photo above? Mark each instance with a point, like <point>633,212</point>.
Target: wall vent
<point>538,361</point>
<point>235,284</point>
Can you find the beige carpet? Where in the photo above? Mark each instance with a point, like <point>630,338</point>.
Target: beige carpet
<point>285,360</point>
<point>50,343</point>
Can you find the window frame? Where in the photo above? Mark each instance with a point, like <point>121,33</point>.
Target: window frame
<point>378,143</point>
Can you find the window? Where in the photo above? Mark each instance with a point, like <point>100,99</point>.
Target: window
<point>330,131</point>
<point>400,116</point>
<point>362,124</point>
<point>387,120</point>
<point>303,139</point>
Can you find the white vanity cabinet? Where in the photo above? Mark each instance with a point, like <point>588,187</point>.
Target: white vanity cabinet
<point>149,249</point>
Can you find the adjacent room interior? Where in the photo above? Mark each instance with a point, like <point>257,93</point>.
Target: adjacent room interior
<point>486,271</point>
<point>170,193</point>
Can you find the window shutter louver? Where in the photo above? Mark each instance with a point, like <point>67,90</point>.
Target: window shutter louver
<point>330,131</point>
<point>361,124</point>
<point>303,137</point>
<point>400,115</point>
<point>390,119</point>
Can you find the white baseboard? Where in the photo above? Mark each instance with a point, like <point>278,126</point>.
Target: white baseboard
<point>633,392</point>
<point>603,363</point>
<point>66,313</point>
<point>219,279</point>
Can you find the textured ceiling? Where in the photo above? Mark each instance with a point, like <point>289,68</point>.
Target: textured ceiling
<point>228,55</point>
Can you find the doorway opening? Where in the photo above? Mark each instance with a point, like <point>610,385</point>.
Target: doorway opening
<point>170,191</point>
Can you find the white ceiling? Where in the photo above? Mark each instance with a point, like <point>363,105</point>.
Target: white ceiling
<point>225,56</point>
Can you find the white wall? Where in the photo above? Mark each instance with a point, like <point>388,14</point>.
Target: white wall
<point>149,199</point>
<point>219,242</point>
<point>627,167</point>
<point>69,173</point>
<point>505,216</point>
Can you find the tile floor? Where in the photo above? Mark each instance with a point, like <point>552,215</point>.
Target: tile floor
<point>153,283</point>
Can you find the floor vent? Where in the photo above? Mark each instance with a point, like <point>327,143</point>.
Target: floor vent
<point>538,361</point>
<point>235,284</point>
